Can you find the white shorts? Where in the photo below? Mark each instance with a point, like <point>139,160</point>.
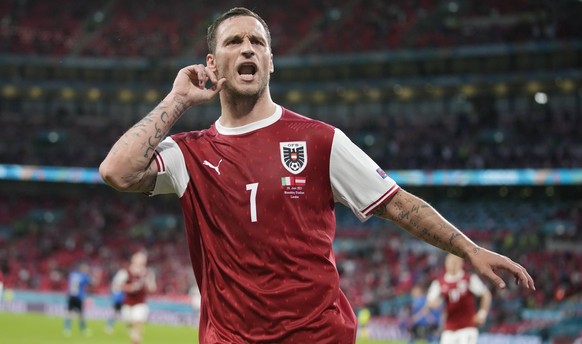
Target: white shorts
<point>136,313</point>
<point>463,336</point>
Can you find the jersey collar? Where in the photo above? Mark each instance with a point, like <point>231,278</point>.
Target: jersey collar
<point>454,278</point>
<point>251,126</point>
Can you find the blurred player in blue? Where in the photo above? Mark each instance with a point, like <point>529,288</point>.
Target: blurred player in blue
<point>117,297</point>
<point>424,322</point>
<point>79,281</point>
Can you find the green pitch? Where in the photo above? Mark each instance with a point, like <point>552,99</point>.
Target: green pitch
<point>41,329</point>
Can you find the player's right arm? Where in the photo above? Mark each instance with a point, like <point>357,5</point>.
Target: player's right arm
<point>128,166</point>
<point>433,295</point>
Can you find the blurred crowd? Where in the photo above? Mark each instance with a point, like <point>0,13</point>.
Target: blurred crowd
<point>537,139</point>
<point>43,236</point>
<point>45,229</point>
<point>146,29</point>
<point>390,263</point>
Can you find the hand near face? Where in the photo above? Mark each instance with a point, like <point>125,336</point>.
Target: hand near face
<point>190,84</point>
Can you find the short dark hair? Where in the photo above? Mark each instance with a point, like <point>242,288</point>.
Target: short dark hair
<point>234,12</point>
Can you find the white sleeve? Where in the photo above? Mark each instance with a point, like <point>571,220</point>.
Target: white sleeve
<point>356,180</point>
<point>173,176</point>
<point>476,285</point>
<point>434,291</point>
<point>151,279</point>
<point>119,280</point>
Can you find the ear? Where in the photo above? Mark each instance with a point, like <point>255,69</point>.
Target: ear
<point>211,62</point>
<point>271,65</point>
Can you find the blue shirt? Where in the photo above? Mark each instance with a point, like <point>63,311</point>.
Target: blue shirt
<point>429,319</point>
<point>77,285</point>
<point>118,296</point>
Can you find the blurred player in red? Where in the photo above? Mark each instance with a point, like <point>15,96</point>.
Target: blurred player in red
<point>459,291</point>
<point>137,281</point>
<point>1,284</point>
<point>258,190</point>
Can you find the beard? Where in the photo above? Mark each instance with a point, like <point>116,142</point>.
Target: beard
<point>244,92</point>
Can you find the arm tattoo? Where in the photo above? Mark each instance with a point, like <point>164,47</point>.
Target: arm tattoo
<point>422,221</point>
<point>453,237</point>
<point>164,117</point>
<point>159,133</point>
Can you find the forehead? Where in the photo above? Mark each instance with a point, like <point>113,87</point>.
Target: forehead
<point>240,26</point>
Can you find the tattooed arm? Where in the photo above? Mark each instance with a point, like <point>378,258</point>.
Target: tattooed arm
<point>423,221</point>
<point>128,166</point>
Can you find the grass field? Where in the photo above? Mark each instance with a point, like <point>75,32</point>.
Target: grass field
<point>40,329</point>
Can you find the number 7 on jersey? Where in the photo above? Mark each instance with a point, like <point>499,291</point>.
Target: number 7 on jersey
<point>253,200</point>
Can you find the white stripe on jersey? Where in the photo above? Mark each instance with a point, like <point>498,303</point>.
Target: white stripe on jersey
<point>172,175</point>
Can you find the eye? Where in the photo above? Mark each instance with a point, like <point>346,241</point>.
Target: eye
<point>257,41</point>
<point>235,40</point>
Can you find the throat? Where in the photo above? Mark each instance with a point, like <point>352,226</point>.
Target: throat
<point>243,110</point>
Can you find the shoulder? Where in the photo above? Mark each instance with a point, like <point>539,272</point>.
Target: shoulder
<point>189,136</point>
<point>300,121</point>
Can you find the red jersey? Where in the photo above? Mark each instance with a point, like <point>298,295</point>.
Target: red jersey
<point>258,204</point>
<point>458,293</point>
<point>138,281</point>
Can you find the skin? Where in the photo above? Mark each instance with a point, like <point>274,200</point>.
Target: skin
<point>423,221</point>
<point>244,99</point>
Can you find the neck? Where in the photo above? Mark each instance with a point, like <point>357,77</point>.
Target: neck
<point>238,110</point>
<point>454,275</point>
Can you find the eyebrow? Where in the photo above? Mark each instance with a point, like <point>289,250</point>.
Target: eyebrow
<point>240,37</point>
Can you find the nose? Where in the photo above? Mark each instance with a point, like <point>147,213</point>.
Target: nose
<point>247,48</point>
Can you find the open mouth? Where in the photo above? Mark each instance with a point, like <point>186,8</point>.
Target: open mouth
<point>247,69</point>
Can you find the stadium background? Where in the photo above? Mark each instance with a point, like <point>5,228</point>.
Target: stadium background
<point>474,106</point>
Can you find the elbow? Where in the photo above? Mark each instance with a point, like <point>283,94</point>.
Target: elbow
<point>113,177</point>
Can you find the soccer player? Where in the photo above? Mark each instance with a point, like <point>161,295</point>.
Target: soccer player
<point>424,321</point>
<point>458,290</point>
<point>137,282</point>
<point>117,297</point>
<point>78,282</point>
<point>1,284</point>
<point>258,190</point>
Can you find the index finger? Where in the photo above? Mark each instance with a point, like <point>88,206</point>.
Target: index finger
<point>211,75</point>
<point>193,72</point>
<point>524,277</point>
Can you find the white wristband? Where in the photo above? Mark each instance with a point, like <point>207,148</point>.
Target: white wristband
<point>482,313</point>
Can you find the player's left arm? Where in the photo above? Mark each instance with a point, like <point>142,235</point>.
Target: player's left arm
<point>424,222</point>
<point>151,284</point>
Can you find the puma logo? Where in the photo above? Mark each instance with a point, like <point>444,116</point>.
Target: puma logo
<point>212,166</point>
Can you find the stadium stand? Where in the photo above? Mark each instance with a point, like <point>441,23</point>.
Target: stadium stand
<point>492,85</point>
<point>44,231</point>
<point>143,29</point>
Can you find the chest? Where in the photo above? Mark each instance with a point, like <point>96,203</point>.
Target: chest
<point>456,291</point>
<point>281,164</point>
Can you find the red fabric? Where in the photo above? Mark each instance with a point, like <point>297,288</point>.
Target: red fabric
<point>264,284</point>
<point>460,303</point>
